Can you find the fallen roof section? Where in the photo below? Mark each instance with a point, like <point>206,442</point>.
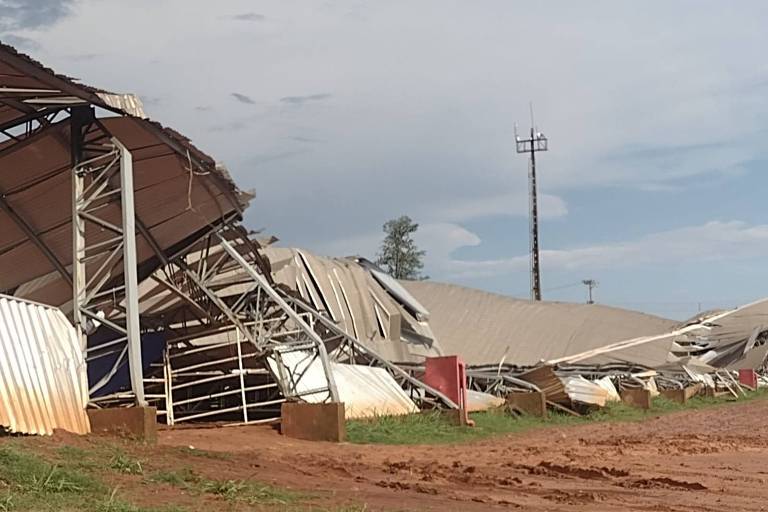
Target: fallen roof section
<point>486,328</point>
<point>36,184</point>
<point>736,338</point>
<point>363,301</point>
<point>31,91</point>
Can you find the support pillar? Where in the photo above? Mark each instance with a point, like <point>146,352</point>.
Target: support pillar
<point>129,274</point>
<point>77,120</point>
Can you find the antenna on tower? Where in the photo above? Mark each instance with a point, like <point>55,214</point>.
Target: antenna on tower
<point>536,142</point>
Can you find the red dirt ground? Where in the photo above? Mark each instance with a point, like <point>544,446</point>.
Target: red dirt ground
<point>711,459</point>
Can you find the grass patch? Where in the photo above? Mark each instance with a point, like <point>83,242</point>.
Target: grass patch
<point>29,482</point>
<point>246,491</point>
<point>125,464</point>
<point>434,428</point>
<point>27,472</point>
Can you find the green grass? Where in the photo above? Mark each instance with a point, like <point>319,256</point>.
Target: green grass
<point>30,482</point>
<point>70,479</point>
<point>122,463</point>
<point>246,491</point>
<point>434,428</point>
<point>39,477</point>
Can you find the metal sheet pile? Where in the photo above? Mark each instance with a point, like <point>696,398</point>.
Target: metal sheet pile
<point>704,354</point>
<point>575,353</point>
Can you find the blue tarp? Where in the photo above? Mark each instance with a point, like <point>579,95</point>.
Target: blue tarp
<point>152,347</point>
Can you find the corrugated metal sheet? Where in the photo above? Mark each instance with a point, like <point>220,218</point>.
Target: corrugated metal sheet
<point>581,390</point>
<point>42,195</point>
<point>366,303</point>
<point>43,381</point>
<point>485,328</point>
<point>607,384</point>
<point>128,103</point>
<point>366,391</point>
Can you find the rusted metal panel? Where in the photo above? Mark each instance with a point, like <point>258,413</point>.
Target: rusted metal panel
<point>43,380</point>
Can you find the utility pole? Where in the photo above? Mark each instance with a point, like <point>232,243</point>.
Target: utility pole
<point>590,283</point>
<point>536,142</point>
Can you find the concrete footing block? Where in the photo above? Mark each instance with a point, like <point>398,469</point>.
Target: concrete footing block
<point>675,395</point>
<point>136,422</point>
<point>533,403</point>
<point>313,422</point>
<point>681,395</point>
<point>636,397</point>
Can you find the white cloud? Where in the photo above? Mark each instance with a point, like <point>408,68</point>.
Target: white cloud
<point>365,245</point>
<point>422,123</point>
<point>713,241</point>
<point>513,204</point>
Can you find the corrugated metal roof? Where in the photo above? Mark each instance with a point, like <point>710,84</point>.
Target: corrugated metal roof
<point>734,338</point>
<point>178,189</point>
<point>164,189</point>
<point>485,328</point>
<point>363,301</point>
<point>128,103</point>
<point>366,391</point>
<point>43,381</point>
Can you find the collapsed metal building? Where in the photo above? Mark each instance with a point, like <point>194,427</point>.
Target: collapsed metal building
<point>517,345</point>
<point>135,234</point>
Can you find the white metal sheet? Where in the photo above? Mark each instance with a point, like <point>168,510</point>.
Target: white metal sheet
<point>43,380</point>
<point>366,391</point>
<point>581,390</point>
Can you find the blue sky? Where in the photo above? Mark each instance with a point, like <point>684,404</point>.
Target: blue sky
<point>343,114</point>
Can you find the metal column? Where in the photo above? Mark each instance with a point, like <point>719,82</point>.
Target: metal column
<point>129,273</point>
<point>104,264</point>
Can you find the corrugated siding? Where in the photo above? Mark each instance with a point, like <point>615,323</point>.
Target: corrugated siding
<point>43,380</point>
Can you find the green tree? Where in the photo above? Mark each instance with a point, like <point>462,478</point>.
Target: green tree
<point>398,254</point>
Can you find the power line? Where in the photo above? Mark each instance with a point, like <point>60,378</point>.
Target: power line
<point>563,287</point>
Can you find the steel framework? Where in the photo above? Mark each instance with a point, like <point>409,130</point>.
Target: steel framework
<point>238,345</point>
<point>104,280</point>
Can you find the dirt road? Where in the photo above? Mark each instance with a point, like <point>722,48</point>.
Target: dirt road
<point>712,459</point>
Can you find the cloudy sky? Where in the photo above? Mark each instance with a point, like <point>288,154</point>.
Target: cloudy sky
<point>343,114</point>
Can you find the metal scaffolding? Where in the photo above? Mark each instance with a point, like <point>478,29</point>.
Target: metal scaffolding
<point>238,345</point>
<point>104,280</point>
